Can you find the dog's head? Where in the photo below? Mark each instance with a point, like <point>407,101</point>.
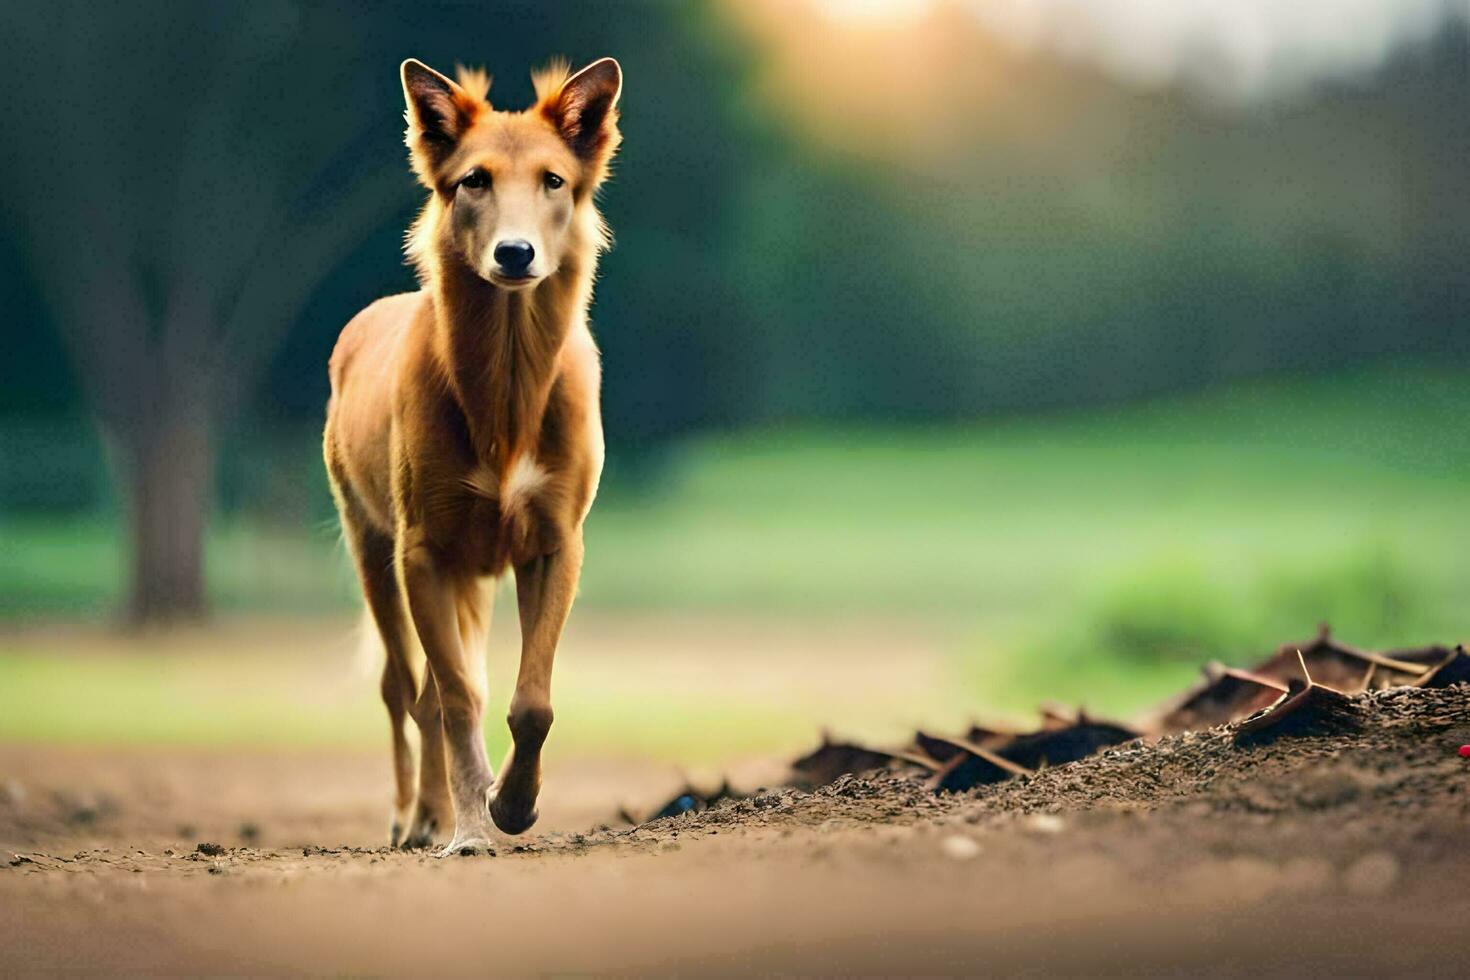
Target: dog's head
<point>513,189</point>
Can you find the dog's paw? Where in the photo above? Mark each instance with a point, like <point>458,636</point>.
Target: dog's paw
<point>420,833</point>
<point>511,817</point>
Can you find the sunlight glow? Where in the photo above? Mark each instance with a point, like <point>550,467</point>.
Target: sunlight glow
<point>1239,52</point>
<point>878,13</point>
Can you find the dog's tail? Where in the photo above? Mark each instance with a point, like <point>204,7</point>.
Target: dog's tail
<point>367,645</point>
<point>370,655</point>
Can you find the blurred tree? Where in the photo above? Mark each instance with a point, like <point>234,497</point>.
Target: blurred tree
<point>188,175</point>
<point>193,183</point>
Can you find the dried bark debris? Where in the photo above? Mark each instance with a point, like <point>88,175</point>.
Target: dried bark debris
<point>690,799</point>
<point>1225,695</point>
<point>835,758</point>
<point>1338,666</point>
<point>1300,690</point>
<point>1453,668</point>
<point>1307,708</point>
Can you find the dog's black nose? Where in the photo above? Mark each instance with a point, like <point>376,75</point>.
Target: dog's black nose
<point>514,256</point>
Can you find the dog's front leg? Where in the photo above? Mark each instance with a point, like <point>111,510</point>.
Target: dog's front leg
<point>433,598</point>
<point>545,588</point>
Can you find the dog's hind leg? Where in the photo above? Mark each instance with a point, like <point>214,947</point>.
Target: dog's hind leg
<point>373,553</point>
<point>435,810</point>
<point>398,694</point>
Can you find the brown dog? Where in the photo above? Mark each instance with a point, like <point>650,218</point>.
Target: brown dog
<point>464,436</point>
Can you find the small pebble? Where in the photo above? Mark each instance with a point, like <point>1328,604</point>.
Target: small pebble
<point>1045,823</point>
<point>959,847</point>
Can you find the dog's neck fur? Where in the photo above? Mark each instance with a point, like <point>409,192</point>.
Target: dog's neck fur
<point>500,349</point>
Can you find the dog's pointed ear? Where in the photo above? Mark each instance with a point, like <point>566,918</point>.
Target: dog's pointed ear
<point>439,111</point>
<point>584,109</point>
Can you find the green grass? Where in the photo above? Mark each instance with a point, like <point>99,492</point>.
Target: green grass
<point>147,698</point>
<point>96,696</point>
<point>1095,556</point>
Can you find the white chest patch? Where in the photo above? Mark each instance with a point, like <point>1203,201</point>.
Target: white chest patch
<point>512,490</point>
<point>524,481</point>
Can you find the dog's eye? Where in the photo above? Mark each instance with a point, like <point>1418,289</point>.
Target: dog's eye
<point>475,180</point>
<point>553,181</point>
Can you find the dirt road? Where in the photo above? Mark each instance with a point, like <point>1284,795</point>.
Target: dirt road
<point>1346,854</point>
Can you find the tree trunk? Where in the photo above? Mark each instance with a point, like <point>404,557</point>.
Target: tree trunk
<point>168,472</point>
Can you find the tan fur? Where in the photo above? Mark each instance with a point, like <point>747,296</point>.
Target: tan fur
<point>464,436</point>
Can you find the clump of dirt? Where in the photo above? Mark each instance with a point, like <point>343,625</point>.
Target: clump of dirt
<point>1319,697</point>
<point>1404,747</point>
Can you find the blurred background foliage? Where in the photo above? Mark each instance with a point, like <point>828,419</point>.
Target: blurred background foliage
<point>1114,346</point>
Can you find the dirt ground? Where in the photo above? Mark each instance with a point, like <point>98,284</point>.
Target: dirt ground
<point>1328,854</point>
